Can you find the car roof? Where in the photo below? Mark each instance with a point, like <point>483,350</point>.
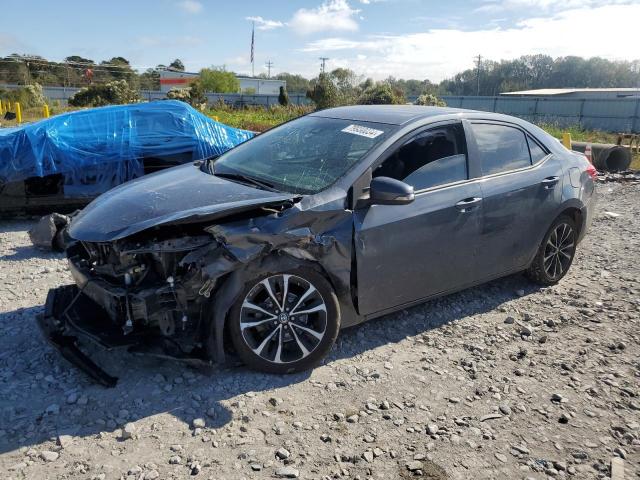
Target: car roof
<point>391,114</point>
<point>407,114</point>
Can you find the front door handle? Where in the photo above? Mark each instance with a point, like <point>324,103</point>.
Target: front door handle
<point>550,182</point>
<point>468,204</point>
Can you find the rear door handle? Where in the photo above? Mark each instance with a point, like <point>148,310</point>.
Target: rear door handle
<point>468,204</point>
<point>550,182</point>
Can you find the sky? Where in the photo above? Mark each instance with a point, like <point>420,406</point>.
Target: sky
<point>422,39</point>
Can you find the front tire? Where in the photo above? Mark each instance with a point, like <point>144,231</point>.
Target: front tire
<point>555,254</point>
<point>285,322</point>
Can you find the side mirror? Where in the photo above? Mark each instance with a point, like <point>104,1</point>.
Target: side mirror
<point>389,191</point>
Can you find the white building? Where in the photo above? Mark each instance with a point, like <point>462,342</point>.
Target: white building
<point>266,86</point>
<point>173,79</point>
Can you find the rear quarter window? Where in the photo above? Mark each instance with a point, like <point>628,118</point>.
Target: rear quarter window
<point>537,152</point>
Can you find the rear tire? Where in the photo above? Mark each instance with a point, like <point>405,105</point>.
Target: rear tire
<point>273,339</point>
<point>555,254</point>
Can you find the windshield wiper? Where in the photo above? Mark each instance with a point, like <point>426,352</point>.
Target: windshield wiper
<point>246,179</point>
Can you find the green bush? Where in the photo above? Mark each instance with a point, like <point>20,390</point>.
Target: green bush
<point>324,93</point>
<point>283,97</point>
<point>218,80</point>
<point>182,94</point>
<point>197,95</point>
<point>117,92</point>
<point>429,100</point>
<point>193,95</point>
<point>28,96</point>
<point>381,94</point>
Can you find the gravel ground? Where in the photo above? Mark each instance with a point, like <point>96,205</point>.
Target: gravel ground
<point>506,380</point>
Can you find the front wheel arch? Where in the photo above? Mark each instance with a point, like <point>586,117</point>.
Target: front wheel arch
<point>215,334</point>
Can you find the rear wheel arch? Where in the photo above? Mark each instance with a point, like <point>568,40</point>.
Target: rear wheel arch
<point>539,270</point>
<point>571,208</point>
<point>575,214</point>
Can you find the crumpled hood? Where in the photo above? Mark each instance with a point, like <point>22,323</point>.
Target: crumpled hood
<point>179,194</point>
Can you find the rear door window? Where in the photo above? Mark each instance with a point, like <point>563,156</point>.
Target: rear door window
<point>501,148</point>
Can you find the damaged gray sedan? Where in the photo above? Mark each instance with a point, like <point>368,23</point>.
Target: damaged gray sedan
<point>322,223</point>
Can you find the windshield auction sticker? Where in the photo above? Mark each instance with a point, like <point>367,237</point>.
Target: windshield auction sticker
<point>362,131</point>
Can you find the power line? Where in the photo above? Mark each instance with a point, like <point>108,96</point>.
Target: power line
<point>74,64</point>
<point>269,64</point>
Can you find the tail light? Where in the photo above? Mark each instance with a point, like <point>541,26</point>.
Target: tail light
<point>591,170</point>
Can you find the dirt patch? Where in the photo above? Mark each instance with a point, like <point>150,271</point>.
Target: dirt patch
<point>506,380</point>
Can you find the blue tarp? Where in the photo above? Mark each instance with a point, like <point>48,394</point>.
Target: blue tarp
<point>99,148</point>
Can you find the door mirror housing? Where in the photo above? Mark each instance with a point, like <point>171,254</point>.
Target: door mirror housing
<point>389,191</point>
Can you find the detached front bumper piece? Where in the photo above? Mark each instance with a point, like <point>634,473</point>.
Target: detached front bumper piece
<point>69,314</point>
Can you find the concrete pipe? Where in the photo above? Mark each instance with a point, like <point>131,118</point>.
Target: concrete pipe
<point>606,156</point>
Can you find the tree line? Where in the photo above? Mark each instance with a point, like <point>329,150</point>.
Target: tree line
<point>490,78</point>
<point>531,72</point>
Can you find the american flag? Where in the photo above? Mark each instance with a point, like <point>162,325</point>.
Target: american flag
<point>253,29</point>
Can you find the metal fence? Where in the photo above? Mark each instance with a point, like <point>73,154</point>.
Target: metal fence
<point>62,94</point>
<point>607,114</point>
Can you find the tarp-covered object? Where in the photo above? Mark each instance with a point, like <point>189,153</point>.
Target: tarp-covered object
<point>99,148</point>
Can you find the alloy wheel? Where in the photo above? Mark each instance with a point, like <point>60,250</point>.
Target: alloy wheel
<point>559,251</point>
<point>283,318</point>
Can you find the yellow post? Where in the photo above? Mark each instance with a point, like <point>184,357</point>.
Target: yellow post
<point>1,107</point>
<point>45,110</point>
<point>18,112</point>
<point>566,140</point>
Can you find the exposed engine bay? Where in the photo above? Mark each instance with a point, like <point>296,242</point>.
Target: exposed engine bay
<point>166,290</point>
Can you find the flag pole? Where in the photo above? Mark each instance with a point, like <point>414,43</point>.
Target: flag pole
<point>253,32</point>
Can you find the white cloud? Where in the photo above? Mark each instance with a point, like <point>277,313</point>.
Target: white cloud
<point>264,24</point>
<point>331,15</point>
<point>495,6</point>
<point>190,6</point>
<point>608,31</point>
<point>334,44</point>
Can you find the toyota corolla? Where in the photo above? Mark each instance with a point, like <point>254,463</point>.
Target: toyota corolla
<point>332,219</point>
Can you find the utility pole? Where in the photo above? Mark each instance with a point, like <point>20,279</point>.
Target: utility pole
<point>322,66</point>
<point>28,73</point>
<point>478,74</point>
<point>269,64</point>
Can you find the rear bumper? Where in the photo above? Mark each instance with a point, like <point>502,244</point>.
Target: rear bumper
<point>588,212</point>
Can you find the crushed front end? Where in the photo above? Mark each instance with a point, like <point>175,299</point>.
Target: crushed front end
<point>135,293</point>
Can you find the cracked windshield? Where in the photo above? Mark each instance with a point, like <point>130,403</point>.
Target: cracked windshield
<point>306,155</point>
